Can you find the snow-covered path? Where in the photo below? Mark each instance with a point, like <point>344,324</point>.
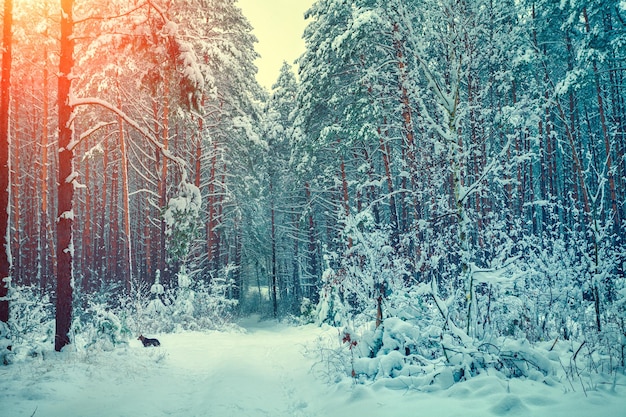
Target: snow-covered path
<point>256,373</point>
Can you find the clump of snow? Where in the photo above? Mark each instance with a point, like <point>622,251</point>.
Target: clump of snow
<point>94,152</point>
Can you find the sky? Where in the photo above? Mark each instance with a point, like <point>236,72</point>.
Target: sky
<point>278,24</point>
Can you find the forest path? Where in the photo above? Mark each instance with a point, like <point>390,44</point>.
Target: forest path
<point>261,371</point>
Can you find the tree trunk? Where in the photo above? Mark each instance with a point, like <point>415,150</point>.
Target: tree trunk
<point>65,249</point>
<point>211,221</point>
<point>5,169</point>
<point>605,135</point>
<point>128,258</point>
<point>17,250</point>
<point>408,136</point>
<point>273,238</point>
<point>165,277</point>
<point>47,232</point>
<point>393,212</point>
<point>313,269</point>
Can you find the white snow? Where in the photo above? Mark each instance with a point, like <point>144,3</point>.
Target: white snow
<point>263,371</point>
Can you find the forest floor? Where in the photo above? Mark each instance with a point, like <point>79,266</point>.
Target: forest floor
<point>262,370</point>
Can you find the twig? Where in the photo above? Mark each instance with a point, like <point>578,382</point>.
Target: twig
<point>553,344</point>
<point>567,376</point>
<point>578,350</point>
<point>576,367</point>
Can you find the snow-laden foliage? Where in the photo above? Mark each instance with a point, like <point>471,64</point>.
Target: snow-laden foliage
<point>191,305</point>
<point>494,226</point>
<point>181,218</point>
<point>102,327</point>
<point>30,328</point>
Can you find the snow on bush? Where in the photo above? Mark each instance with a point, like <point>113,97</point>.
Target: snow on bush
<point>531,313</point>
<point>216,303</point>
<point>101,327</point>
<point>193,304</point>
<point>30,327</point>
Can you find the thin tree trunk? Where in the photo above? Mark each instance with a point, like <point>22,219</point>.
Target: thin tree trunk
<point>408,135</point>
<point>128,258</point>
<point>273,238</point>
<point>393,212</point>
<point>312,250</point>
<point>605,135</point>
<point>88,252</point>
<point>165,277</point>
<point>17,184</point>
<point>147,238</point>
<point>297,289</point>
<point>48,232</point>
<point>113,260</point>
<point>211,221</point>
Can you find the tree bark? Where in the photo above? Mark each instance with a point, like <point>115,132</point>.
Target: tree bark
<point>273,238</point>
<point>5,169</point>
<point>47,237</point>
<point>393,212</point>
<point>128,258</point>
<point>162,260</point>
<point>65,250</point>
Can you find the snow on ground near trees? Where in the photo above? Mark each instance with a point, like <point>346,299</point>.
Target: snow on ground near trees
<point>262,371</point>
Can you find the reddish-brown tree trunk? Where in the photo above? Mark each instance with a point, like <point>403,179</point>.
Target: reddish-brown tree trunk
<point>128,253</point>
<point>5,168</point>
<point>47,238</point>
<point>87,246</point>
<point>605,135</point>
<point>147,239</point>
<point>65,249</point>
<point>113,226</point>
<point>211,221</point>
<point>408,150</point>
<point>162,260</point>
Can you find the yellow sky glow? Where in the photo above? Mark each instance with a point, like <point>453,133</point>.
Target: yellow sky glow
<point>278,24</point>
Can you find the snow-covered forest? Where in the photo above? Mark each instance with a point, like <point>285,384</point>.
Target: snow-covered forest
<point>444,181</point>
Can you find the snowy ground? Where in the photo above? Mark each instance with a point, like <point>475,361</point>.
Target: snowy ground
<point>261,372</point>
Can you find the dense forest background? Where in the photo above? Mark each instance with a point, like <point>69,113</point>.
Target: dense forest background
<point>451,163</point>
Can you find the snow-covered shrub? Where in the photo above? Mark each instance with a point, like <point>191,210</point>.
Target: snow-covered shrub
<point>156,307</point>
<point>193,304</point>
<point>367,281</point>
<point>332,359</point>
<point>182,308</point>
<point>307,311</point>
<point>215,304</point>
<point>151,308</point>
<point>330,308</point>
<point>30,330</point>
<point>103,328</point>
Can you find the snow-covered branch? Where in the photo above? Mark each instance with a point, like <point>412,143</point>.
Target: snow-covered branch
<point>77,102</point>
